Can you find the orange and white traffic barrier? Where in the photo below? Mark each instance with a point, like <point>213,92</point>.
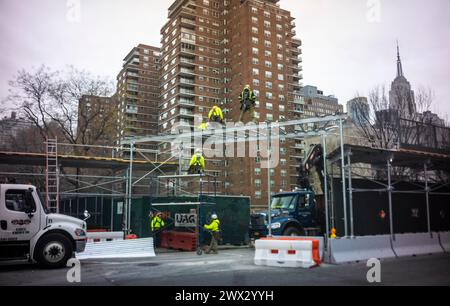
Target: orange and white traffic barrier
<point>292,252</point>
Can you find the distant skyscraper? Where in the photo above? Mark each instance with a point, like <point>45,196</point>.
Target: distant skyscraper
<point>358,109</point>
<point>401,97</point>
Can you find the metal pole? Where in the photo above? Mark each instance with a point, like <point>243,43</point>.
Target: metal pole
<point>344,191</point>
<point>125,204</point>
<point>325,173</point>
<point>130,186</point>
<point>269,187</point>
<point>427,195</point>
<point>391,217</point>
<point>350,194</point>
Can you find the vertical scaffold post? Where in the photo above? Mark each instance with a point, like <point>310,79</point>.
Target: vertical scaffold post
<point>269,185</point>
<point>350,193</point>
<point>344,189</point>
<point>427,195</point>
<point>391,213</point>
<point>325,174</point>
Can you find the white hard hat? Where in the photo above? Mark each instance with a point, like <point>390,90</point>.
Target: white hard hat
<point>214,217</point>
<point>198,151</point>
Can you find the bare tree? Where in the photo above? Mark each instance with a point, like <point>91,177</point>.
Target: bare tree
<point>44,96</point>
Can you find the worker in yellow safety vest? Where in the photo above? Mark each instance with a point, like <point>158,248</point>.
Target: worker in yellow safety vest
<point>197,164</point>
<point>215,114</point>
<point>214,228</point>
<point>156,225</point>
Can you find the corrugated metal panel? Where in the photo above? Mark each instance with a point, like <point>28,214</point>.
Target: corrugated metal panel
<point>137,248</point>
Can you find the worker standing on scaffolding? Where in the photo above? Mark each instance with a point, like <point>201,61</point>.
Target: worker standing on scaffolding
<point>157,224</point>
<point>248,101</point>
<point>197,164</point>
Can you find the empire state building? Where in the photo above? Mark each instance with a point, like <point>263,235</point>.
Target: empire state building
<point>401,97</point>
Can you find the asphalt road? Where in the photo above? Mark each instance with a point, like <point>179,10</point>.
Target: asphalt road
<point>229,268</point>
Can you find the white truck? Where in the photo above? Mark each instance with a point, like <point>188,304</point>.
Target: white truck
<point>29,232</point>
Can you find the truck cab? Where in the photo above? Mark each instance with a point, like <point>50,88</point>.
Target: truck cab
<point>28,231</point>
<point>293,214</point>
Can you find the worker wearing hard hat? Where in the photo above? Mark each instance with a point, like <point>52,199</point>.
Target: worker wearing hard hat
<point>156,225</point>
<point>248,101</point>
<point>214,228</point>
<point>197,164</point>
<point>216,114</point>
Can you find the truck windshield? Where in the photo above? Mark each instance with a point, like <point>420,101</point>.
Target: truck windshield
<point>284,202</point>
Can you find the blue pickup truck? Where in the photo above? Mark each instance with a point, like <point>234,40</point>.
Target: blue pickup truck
<point>294,213</point>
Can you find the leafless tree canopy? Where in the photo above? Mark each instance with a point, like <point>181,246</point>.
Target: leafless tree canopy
<point>47,98</point>
<point>386,125</point>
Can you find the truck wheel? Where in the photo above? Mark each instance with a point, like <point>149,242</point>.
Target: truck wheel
<point>291,231</point>
<point>53,251</point>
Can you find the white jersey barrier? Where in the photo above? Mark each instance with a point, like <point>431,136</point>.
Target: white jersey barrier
<point>320,239</point>
<point>104,236</point>
<point>416,244</point>
<point>136,248</point>
<point>360,248</point>
<point>444,238</point>
<point>287,252</point>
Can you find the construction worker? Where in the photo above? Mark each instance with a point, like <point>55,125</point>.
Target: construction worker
<point>213,227</point>
<point>197,164</point>
<point>156,225</point>
<point>248,100</point>
<point>216,115</point>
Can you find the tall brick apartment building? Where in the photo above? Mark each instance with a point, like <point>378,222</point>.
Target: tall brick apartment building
<point>210,50</point>
<point>138,94</point>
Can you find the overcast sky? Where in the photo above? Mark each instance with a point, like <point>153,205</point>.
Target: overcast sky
<point>349,46</point>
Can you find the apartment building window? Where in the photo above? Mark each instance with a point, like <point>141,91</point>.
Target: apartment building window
<point>255,40</point>
<point>272,172</point>
<point>256,92</point>
<point>280,66</point>
<point>280,56</point>
<point>255,61</point>
<point>282,108</point>
<point>266,14</point>
<point>257,115</point>
<point>258,183</point>
<point>283,173</point>
<point>254,30</point>
<point>269,85</point>
<point>254,10</point>
<point>279,27</point>
<point>206,2</point>
<point>268,44</point>
<point>267,34</point>
<point>269,95</point>
<point>255,51</point>
<point>255,71</point>
<point>254,20</point>
<point>255,82</point>
<point>268,53</point>
<point>283,162</point>
<point>268,74</point>
<point>279,18</point>
<point>267,24</point>
<point>257,171</point>
<point>269,106</point>
<point>258,194</point>
<point>280,87</point>
<point>268,64</point>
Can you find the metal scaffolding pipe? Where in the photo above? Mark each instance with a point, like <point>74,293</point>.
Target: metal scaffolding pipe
<point>391,212</point>
<point>350,194</point>
<point>344,189</point>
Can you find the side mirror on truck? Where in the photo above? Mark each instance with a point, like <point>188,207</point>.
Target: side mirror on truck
<point>87,215</point>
